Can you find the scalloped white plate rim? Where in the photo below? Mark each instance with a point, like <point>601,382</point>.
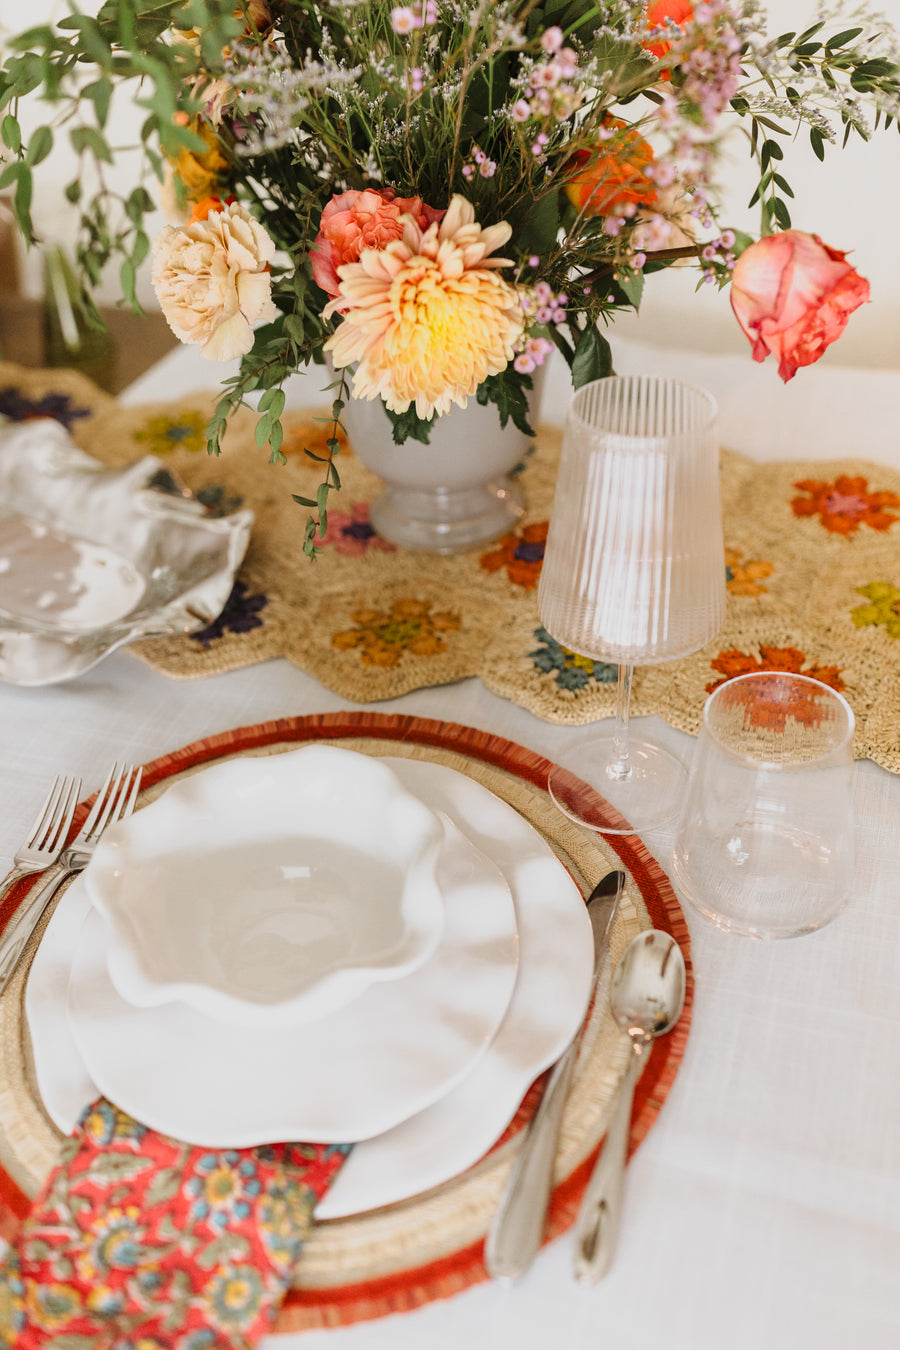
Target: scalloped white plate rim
<point>255,803</point>
<point>451,1135</point>
<point>355,1073</point>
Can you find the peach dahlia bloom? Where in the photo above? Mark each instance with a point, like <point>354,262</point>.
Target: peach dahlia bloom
<point>427,318</point>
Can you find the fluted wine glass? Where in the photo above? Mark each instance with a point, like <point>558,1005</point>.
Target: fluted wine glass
<point>633,572</point>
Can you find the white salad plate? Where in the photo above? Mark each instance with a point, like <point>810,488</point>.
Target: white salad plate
<point>356,1072</point>
<point>270,891</point>
<point>548,1003</point>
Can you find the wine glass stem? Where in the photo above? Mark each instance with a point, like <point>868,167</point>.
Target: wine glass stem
<point>619,768</point>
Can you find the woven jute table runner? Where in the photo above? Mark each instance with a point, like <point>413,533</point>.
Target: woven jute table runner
<point>430,1246</point>
<point>812,564</point>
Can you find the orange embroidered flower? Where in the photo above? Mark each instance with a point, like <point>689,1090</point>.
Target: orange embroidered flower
<point>310,433</point>
<point>845,504</point>
<point>521,553</point>
<point>789,659</point>
<point>382,636</point>
<point>743,578</point>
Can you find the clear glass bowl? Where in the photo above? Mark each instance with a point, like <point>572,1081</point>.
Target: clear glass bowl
<point>92,558</point>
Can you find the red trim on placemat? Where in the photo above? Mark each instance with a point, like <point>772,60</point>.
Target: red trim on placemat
<point>307,1309</point>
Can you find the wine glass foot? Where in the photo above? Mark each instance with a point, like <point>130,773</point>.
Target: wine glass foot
<point>649,797</point>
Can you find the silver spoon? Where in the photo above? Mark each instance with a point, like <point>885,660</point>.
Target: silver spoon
<point>646,998</point>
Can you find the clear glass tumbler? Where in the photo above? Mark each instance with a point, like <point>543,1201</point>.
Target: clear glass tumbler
<point>633,571</point>
<point>764,843</point>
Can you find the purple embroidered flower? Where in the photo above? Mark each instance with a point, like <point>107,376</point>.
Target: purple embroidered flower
<point>530,552</point>
<point>352,533</point>
<point>218,501</point>
<point>240,615</point>
<point>18,408</point>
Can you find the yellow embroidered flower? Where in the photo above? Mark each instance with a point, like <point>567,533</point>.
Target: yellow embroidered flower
<point>427,318</point>
<point>382,636</point>
<point>743,577</point>
<point>12,1306</point>
<point>164,433</point>
<point>883,608</point>
<point>51,1306</point>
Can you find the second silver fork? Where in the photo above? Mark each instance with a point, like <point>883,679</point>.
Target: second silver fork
<point>115,801</point>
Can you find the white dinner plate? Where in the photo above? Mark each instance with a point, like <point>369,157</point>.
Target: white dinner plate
<point>355,1073</point>
<point>548,1003</point>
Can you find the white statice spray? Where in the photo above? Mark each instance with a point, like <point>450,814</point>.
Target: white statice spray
<point>271,93</point>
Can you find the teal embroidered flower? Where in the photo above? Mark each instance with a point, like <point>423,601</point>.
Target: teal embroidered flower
<point>102,1123</point>
<point>198,1340</point>
<point>115,1242</point>
<point>12,1301</point>
<point>224,1187</point>
<point>571,671</point>
<point>105,1301</point>
<point>235,1296</point>
<point>284,1216</point>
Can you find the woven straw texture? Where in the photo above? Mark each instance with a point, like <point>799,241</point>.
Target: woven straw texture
<point>812,558</point>
<point>430,1246</point>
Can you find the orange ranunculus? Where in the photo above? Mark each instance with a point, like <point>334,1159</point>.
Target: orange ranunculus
<point>792,296</point>
<point>353,221</point>
<point>661,12</point>
<point>615,176</point>
<point>195,175</point>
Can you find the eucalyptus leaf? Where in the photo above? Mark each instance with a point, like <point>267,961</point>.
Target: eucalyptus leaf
<point>592,359</point>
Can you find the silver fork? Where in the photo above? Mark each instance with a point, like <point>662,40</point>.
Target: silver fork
<point>115,801</point>
<point>48,833</point>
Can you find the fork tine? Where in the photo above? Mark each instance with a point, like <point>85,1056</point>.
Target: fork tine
<point>44,818</point>
<point>111,801</point>
<point>89,824</point>
<point>58,825</point>
<point>67,812</point>
<point>128,805</point>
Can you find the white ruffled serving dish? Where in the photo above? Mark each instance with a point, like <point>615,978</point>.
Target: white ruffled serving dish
<point>92,558</point>
<point>270,891</point>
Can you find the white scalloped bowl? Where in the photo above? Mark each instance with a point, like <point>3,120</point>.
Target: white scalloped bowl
<point>271,891</point>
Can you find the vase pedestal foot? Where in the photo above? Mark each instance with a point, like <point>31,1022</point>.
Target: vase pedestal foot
<point>444,520</point>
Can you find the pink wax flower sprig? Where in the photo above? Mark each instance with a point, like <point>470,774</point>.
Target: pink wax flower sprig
<point>407,18</point>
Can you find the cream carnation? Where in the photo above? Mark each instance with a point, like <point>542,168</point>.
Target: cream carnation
<point>212,280</point>
<point>427,318</point>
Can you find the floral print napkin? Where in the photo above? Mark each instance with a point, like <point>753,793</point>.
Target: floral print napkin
<point>140,1242</point>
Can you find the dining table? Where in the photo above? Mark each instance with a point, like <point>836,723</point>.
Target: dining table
<point>763,1207</point>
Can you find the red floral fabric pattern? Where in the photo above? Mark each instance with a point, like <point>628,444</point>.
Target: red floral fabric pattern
<point>140,1242</point>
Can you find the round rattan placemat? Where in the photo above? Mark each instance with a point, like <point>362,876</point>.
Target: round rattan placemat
<point>430,1246</point>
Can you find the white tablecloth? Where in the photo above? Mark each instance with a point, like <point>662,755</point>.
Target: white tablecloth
<point>763,1210</point>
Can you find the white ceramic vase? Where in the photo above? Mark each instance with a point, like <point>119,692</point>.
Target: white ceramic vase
<point>453,493</point>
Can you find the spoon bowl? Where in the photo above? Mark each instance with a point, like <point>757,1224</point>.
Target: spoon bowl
<point>647,993</point>
<point>646,999</point>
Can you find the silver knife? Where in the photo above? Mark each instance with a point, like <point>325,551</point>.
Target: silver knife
<point>518,1225</point>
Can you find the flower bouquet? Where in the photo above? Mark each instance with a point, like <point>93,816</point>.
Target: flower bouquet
<point>436,195</point>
